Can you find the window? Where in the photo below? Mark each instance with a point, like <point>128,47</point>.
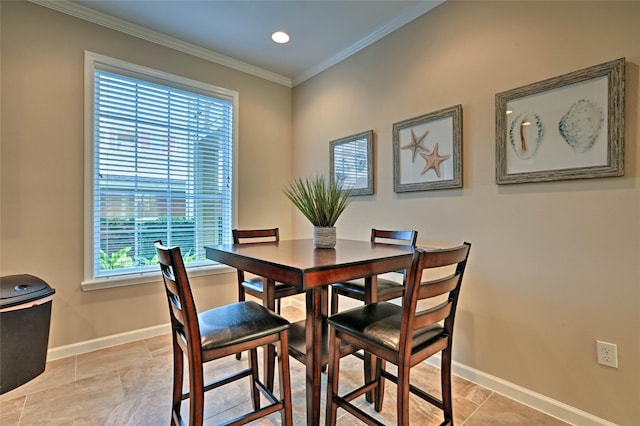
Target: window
<point>159,166</point>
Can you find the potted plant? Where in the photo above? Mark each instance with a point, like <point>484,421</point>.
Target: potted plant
<point>322,202</point>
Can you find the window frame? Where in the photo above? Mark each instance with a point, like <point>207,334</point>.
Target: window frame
<point>91,62</point>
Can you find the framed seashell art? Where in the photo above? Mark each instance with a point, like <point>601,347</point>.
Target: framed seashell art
<point>566,127</point>
<point>427,151</point>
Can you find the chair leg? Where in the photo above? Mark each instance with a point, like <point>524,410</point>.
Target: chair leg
<point>286,414</point>
<point>196,394</point>
<point>332,378</point>
<point>269,302</point>
<point>178,373</point>
<point>370,296</point>
<point>379,392</point>
<point>241,298</point>
<point>369,361</point>
<point>269,365</point>
<point>255,392</point>
<point>445,380</point>
<point>334,302</point>
<point>403,395</point>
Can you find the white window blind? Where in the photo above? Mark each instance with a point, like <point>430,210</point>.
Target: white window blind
<point>351,164</point>
<point>162,169</point>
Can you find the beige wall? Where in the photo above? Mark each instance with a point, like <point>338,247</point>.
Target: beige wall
<point>42,164</point>
<point>554,266</point>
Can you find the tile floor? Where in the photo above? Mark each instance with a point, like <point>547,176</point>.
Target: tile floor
<point>130,384</point>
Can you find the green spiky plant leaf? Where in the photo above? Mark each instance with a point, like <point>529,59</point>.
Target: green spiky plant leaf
<point>320,201</point>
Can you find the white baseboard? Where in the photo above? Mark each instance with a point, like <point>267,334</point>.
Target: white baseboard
<point>524,396</point>
<point>105,342</point>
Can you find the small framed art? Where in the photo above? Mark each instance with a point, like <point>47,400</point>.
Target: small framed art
<point>351,162</point>
<point>427,151</point>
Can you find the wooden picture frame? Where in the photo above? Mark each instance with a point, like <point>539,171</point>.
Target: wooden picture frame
<point>566,127</point>
<point>427,151</point>
<point>351,162</point>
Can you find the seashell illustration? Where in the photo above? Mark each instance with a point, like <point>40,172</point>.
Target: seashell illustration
<point>526,134</point>
<point>581,125</point>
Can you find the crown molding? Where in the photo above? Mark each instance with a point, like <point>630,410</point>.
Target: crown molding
<point>421,7</point>
<point>138,31</point>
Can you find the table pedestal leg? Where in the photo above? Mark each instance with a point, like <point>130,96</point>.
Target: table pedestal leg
<point>317,303</point>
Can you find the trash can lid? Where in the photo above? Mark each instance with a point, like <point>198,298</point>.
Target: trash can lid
<point>18,289</point>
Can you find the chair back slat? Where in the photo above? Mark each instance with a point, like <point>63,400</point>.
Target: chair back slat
<point>171,285</point>
<point>177,312</point>
<point>432,290</point>
<point>182,309</point>
<point>270,234</point>
<point>446,257</point>
<point>394,237</point>
<point>433,315</point>
<point>437,287</point>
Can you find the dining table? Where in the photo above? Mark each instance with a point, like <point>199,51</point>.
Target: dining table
<point>299,263</point>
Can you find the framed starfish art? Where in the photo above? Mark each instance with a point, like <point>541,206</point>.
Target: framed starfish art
<point>427,151</point>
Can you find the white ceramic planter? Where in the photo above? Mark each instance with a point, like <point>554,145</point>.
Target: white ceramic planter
<point>324,237</point>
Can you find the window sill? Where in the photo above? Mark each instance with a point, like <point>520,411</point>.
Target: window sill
<point>149,277</point>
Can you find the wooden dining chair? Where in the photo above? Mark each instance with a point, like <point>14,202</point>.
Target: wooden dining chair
<point>383,289</point>
<point>216,333</point>
<point>380,289</point>
<point>255,286</point>
<point>258,287</point>
<point>402,335</point>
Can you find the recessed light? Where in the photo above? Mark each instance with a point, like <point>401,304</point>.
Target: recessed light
<point>280,37</point>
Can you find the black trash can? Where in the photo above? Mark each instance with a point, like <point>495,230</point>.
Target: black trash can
<point>25,315</point>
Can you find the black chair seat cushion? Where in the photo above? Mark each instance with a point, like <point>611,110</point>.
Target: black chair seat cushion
<point>257,285</point>
<point>379,323</point>
<point>237,323</point>
<point>355,289</point>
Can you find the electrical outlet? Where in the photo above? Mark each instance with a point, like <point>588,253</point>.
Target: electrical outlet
<point>607,354</point>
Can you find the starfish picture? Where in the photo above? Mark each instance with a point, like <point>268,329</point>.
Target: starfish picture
<point>417,144</point>
<point>433,161</point>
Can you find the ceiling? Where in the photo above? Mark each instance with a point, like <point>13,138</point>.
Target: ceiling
<point>238,33</point>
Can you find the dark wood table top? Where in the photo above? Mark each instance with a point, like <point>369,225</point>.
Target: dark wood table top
<point>297,262</point>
